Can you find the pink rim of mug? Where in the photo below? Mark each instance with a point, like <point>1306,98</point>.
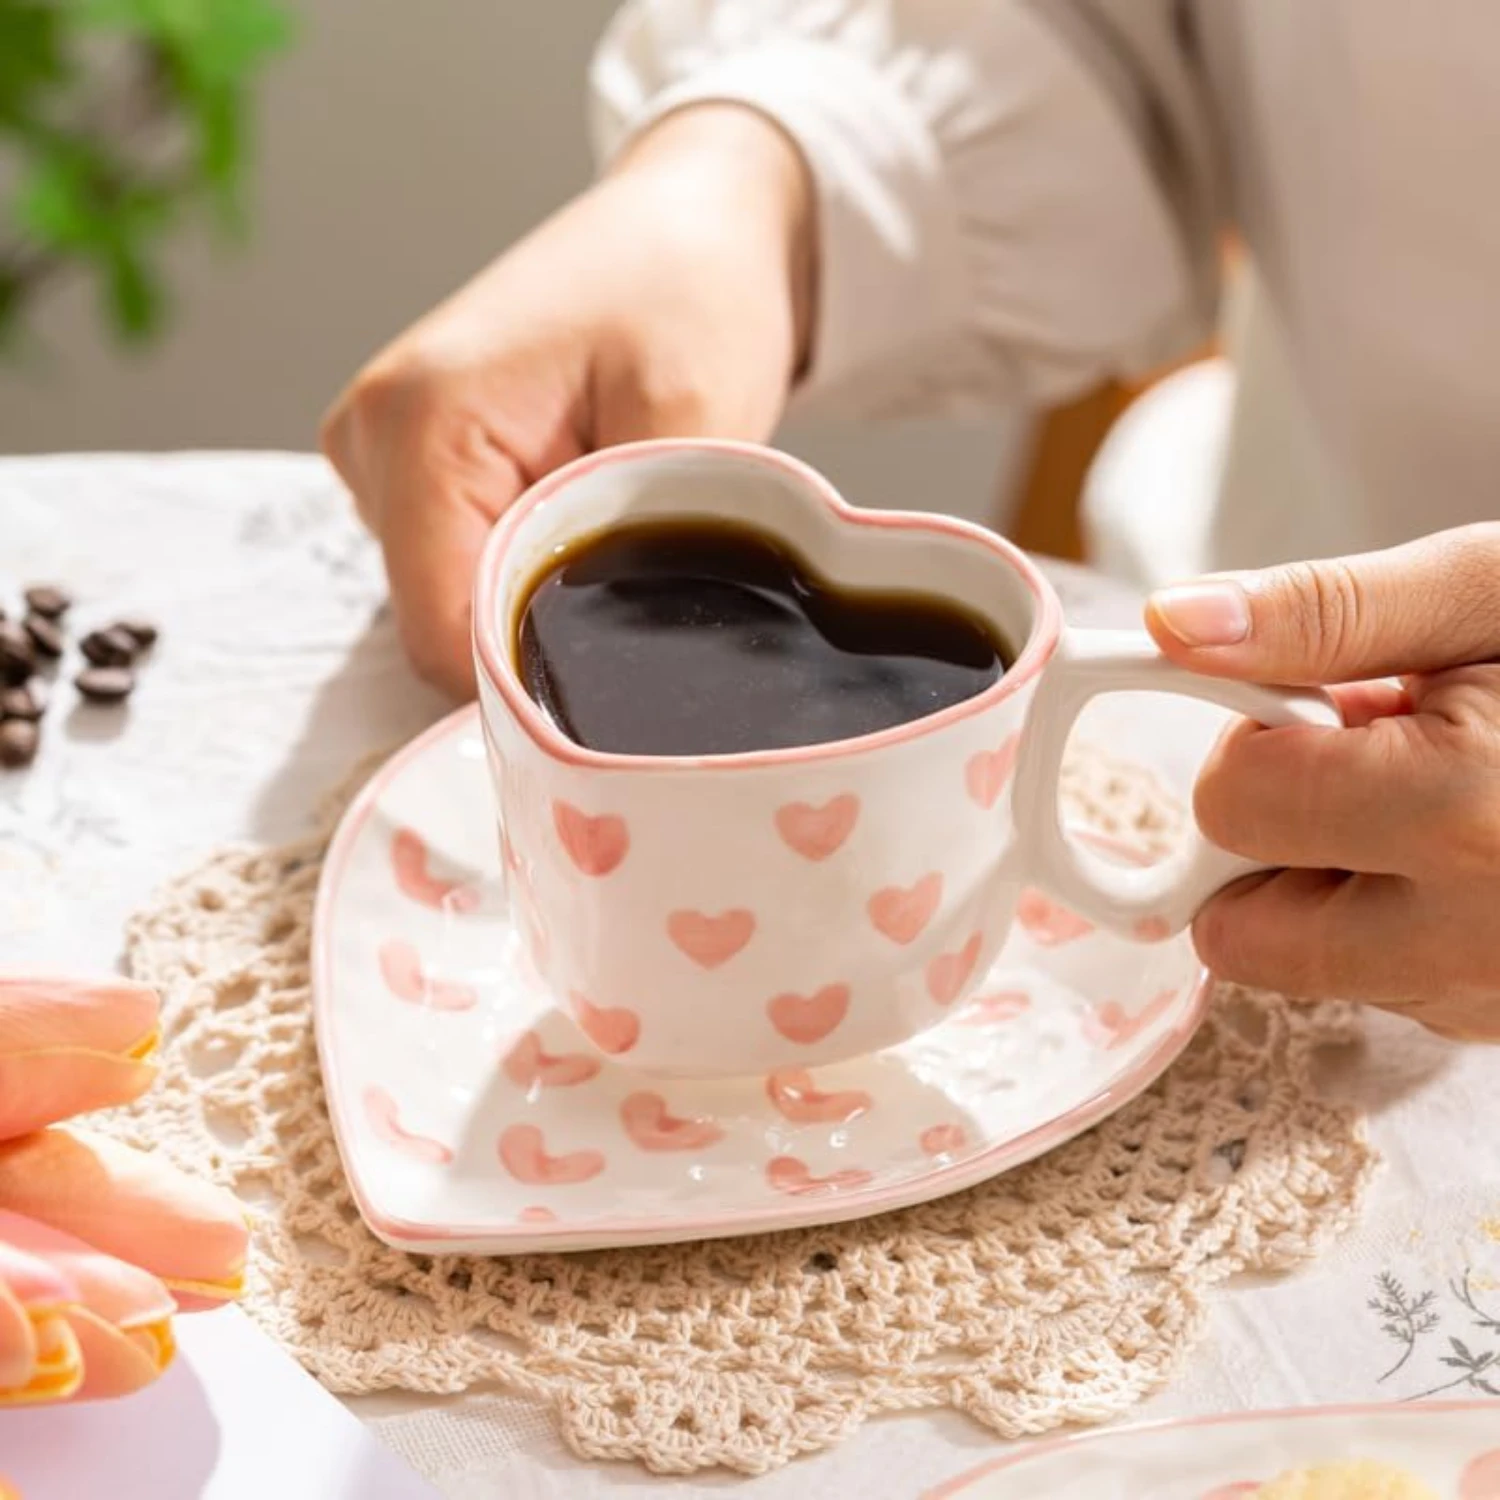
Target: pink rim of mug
<point>499,671</point>
<point>1002,1157</point>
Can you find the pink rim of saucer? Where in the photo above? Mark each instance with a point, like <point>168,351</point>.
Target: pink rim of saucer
<point>960,1482</point>
<point>856,1205</point>
<point>494,657</point>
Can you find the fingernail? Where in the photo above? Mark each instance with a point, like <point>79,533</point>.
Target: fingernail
<point>1212,613</point>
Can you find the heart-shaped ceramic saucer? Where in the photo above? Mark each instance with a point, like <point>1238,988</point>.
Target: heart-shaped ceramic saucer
<point>1449,1446</point>
<point>474,1116</point>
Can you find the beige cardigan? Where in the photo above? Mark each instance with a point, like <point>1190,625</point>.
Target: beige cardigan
<point>1018,200</point>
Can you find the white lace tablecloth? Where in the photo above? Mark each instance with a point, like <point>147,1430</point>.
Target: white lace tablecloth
<point>278,668</point>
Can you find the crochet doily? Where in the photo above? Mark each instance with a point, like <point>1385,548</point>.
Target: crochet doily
<point>1062,1292</point>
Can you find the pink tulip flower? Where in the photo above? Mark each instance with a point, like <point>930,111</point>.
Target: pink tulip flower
<point>100,1244</point>
<point>69,1045</point>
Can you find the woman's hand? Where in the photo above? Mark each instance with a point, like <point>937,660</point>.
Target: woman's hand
<point>672,299</point>
<point>1389,829</point>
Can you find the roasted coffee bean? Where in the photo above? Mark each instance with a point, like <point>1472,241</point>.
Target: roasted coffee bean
<point>29,702</point>
<point>17,656</point>
<point>48,599</point>
<point>106,684</point>
<point>141,631</point>
<point>18,741</point>
<point>45,636</point>
<point>108,648</point>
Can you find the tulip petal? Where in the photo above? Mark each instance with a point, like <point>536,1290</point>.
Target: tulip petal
<point>204,1296</point>
<point>41,1087</point>
<point>34,1295</point>
<point>17,1341</point>
<point>129,1204</point>
<point>119,1316</point>
<point>116,1291</point>
<point>118,1361</point>
<point>58,1371</point>
<point>69,1045</point>
<point>34,1281</point>
<point>102,1015</point>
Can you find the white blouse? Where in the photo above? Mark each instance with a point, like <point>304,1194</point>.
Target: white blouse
<point>1018,200</point>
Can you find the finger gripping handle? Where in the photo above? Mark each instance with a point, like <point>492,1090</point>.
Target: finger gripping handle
<point>1161,899</point>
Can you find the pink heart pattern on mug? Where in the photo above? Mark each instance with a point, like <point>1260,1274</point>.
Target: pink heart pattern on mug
<point>597,845</point>
<point>817,832</point>
<point>401,968</point>
<point>1047,923</point>
<point>611,1028</point>
<point>385,1120</point>
<point>806,1019</point>
<point>790,1174</point>
<point>523,1153</point>
<point>987,772</point>
<point>799,1099</point>
<point>528,1064</point>
<point>411,865</point>
<point>948,973</point>
<point>653,1127</point>
<point>902,913</point>
<point>711,941</point>
<point>1152,930</point>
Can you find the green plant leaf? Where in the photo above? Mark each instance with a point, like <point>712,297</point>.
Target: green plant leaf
<point>10,306</point>
<point>209,40</point>
<point>109,159</point>
<point>31,56</point>
<point>133,292</point>
<point>147,208</point>
<point>54,204</point>
<point>218,115</point>
<point>239,36</point>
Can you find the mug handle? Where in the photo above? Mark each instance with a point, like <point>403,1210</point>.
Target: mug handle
<point>1161,899</point>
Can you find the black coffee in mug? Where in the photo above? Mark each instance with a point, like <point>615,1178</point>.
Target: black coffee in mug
<point>709,637</point>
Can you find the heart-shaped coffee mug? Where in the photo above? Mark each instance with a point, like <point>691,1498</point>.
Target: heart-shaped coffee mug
<point>717,915</point>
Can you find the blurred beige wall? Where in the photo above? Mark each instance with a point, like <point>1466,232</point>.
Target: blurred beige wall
<point>402,145</point>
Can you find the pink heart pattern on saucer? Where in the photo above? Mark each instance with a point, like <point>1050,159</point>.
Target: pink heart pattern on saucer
<point>801,1101</point>
<point>652,1126</point>
<point>1444,1448</point>
<point>472,1114</point>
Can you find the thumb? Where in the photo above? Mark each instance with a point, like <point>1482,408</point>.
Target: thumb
<point>1431,604</point>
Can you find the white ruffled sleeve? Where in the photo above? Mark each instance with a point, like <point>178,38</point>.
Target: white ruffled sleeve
<point>1015,200</point>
